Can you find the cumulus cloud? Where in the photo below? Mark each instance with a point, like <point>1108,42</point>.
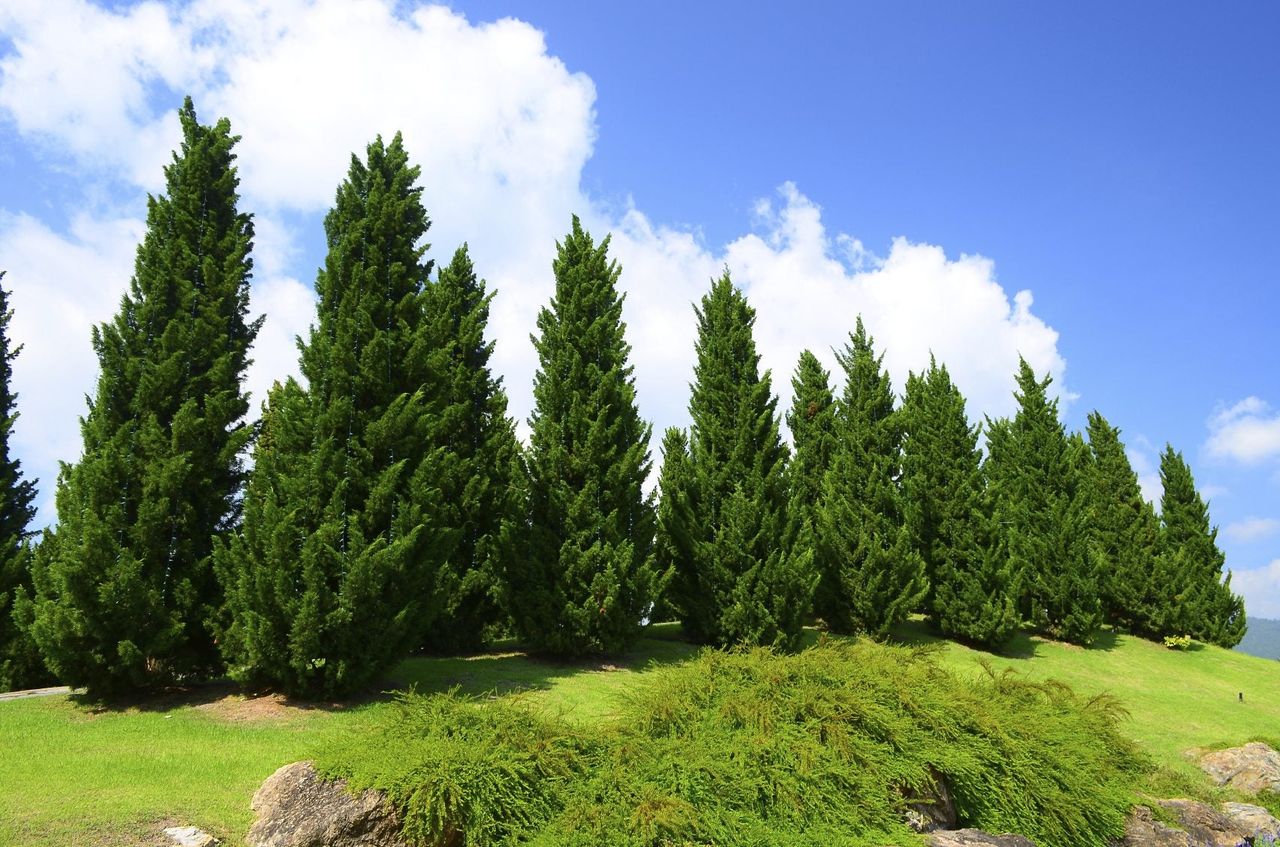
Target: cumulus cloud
<point>1251,529</point>
<point>1248,432</point>
<point>502,130</point>
<point>1261,588</point>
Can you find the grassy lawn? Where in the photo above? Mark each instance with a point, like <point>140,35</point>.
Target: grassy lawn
<point>75,775</point>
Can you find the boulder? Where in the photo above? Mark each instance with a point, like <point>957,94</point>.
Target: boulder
<point>1252,768</point>
<point>1206,825</point>
<point>189,836</point>
<point>296,808</point>
<point>1254,821</point>
<point>975,838</point>
<point>932,807</point>
<point>1143,830</point>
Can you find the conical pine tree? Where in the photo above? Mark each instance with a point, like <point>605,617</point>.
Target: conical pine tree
<point>478,455</point>
<point>586,577</point>
<point>872,576</point>
<point>332,578</point>
<point>20,662</point>
<point>1209,610</point>
<point>738,578</point>
<point>1126,529</point>
<point>126,586</point>
<point>1036,477</point>
<point>945,505</point>
<point>812,421</point>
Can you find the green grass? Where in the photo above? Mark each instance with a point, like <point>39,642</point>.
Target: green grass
<point>70,775</point>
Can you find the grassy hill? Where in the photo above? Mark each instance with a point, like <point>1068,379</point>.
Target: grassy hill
<point>1262,639</point>
<point>73,774</point>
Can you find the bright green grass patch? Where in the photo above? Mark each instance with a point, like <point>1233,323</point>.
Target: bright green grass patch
<point>734,749</point>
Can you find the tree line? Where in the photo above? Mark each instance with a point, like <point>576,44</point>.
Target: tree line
<point>389,507</point>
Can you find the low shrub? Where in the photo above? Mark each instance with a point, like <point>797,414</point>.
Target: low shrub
<point>823,747</point>
<point>1178,642</point>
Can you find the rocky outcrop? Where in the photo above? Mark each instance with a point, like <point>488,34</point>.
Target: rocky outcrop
<point>1252,768</point>
<point>296,808</point>
<point>975,838</point>
<point>1206,826</point>
<point>189,836</point>
<point>932,808</point>
<point>1253,821</point>
<point>1143,830</point>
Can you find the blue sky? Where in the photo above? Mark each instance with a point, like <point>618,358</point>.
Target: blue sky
<point>918,163</point>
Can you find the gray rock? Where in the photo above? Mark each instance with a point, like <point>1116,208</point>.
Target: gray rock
<point>189,836</point>
<point>1252,768</point>
<point>1143,830</point>
<point>932,808</point>
<point>296,808</point>
<point>975,838</point>
<point>1206,825</point>
<point>1253,821</point>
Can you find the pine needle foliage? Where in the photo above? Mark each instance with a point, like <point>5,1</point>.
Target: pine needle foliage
<point>824,747</point>
<point>1036,475</point>
<point>20,662</point>
<point>1126,529</point>
<point>332,578</point>
<point>812,421</point>
<point>1196,598</point>
<point>738,577</point>
<point>872,577</point>
<point>584,577</point>
<point>952,521</point>
<point>127,586</point>
<point>477,457</point>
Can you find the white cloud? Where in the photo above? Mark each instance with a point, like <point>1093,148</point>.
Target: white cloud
<point>1248,432</point>
<point>1251,529</point>
<point>502,130</point>
<point>1145,465</point>
<point>1260,588</point>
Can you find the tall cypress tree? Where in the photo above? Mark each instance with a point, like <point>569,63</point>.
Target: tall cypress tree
<point>332,578</point>
<point>126,587</point>
<point>1037,476</point>
<point>20,663</point>
<point>587,576</point>
<point>812,421</point>
<point>477,455</point>
<point>1126,530</point>
<point>1199,601</point>
<point>950,517</point>
<point>872,576</point>
<point>738,575</point>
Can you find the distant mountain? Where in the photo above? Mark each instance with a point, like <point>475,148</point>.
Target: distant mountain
<point>1262,639</point>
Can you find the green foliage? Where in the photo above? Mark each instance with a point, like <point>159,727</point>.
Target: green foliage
<point>477,456</point>
<point>739,576</point>
<point>584,576</point>
<point>125,585</point>
<point>20,663</point>
<point>823,747</point>
<point>1178,642</point>
<point>1195,598</point>
<point>812,421</point>
<point>1036,475</point>
<point>872,577</point>
<point>1126,529</point>
<point>952,521</point>
<point>332,578</point>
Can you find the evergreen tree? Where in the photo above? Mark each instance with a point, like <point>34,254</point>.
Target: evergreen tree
<point>332,579</point>
<point>872,576</point>
<point>478,455</point>
<point>950,517</point>
<point>812,421</point>
<point>739,576</point>
<point>672,543</point>
<point>1125,528</point>
<point>20,663</point>
<point>1202,605</point>
<point>125,588</point>
<point>1037,476</point>
<point>587,576</point>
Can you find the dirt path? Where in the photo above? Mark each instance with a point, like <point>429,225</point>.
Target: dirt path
<point>34,692</point>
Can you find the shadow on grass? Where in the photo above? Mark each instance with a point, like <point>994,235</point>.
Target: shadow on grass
<point>1023,645</point>
<point>508,669</point>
